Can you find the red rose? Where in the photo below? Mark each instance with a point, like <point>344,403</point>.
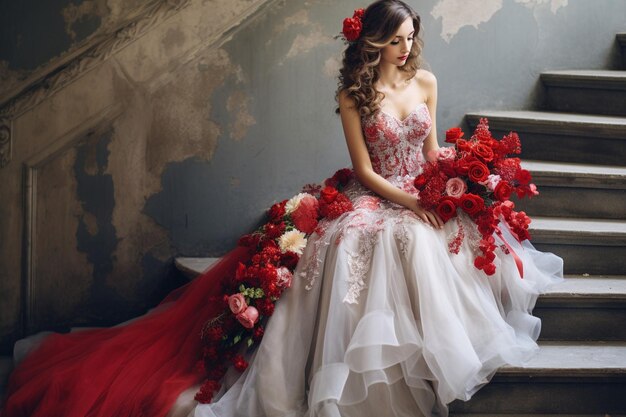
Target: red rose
<point>462,165</point>
<point>277,211</point>
<point>359,13</point>
<point>343,175</point>
<point>446,208</point>
<point>503,191</point>
<point>274,230</point>
<point>329,194</point>
<point>478,172</point>
<point>454,134</point>
<point>420,181</point>
<point>472,204</point>
<point>523,176</point>
<point>483,152</point>
<point>290,259</point>
<point>447,166</point>
<point>462,145</point>
<point>351,28</point>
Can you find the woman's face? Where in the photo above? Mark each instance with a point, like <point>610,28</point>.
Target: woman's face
<point>398,50</point>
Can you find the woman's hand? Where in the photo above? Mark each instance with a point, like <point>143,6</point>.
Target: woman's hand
<point>428,216</point>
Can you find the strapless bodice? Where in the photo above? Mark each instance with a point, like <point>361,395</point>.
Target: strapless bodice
<point>394,145</point>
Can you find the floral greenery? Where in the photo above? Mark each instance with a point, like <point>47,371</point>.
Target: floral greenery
<point>478,177</point>
<point>248,298</point>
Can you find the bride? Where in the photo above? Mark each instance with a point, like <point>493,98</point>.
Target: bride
<point>381,319</point>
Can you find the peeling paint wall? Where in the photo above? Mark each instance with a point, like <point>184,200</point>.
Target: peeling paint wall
<point>34,33</point>
<point>212,128</point>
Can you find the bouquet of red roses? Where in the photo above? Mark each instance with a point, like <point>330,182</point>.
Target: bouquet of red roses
<point>249,297</point>
<point>478,177</point>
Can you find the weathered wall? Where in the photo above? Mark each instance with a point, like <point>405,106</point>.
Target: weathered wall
<point>174,138</point>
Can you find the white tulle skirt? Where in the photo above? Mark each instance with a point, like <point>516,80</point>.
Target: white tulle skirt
<point>383,320</point>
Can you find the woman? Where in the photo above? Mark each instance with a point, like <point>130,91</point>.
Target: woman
<point>381,318</point>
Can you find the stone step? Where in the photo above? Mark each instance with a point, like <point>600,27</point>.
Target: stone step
<point>596,247</point>
<point>584,308</point>
<point>580,378</point>
<point>576,190</point>
<point>534,415</point>
<point>192,267</point>
<point>586,91</point>
<point>621,41</point>
<point>561,137</point>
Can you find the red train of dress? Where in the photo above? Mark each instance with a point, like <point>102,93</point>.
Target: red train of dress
<point>131,370</point>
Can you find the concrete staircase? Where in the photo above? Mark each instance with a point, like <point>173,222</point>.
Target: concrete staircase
<point>577,155</point>
<point>576,152</point>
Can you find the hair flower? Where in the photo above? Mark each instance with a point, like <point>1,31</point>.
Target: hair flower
<point>352,26</point>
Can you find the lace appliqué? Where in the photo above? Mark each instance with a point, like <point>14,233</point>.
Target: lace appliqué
<point>456,238</point>
<point>359,265</point>
<point>401,234</point>
<point>395,149</point>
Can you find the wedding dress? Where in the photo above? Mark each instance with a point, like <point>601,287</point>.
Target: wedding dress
<point>382,319</point>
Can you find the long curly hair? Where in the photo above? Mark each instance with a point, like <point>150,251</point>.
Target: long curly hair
<point>360,68</point>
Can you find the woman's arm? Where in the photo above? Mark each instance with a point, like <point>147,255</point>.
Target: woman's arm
<point>362,164</point>
<point>428,83</point>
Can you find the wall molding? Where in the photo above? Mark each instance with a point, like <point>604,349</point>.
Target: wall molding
<point>53,77</point>
<point>30,168</point>
<point>5,142</point>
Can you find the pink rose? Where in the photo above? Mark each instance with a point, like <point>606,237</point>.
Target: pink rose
<point>455,187</point>
<point>237,303</point>
<point>492,181</point>
<point>248,317</point>
<point>446,153</point>
<point>284,277</point>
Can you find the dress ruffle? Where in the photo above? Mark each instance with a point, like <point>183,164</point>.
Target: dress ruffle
<point>425,328</point>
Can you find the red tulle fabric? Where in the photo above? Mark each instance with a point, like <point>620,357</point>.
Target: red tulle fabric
<point>131,370</point>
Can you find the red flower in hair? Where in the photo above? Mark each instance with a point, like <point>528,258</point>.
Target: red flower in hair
<point>352,25</point>
<point>351,28</point>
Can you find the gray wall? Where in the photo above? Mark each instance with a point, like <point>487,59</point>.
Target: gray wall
<point>297,138</point>
<point>196,156</point>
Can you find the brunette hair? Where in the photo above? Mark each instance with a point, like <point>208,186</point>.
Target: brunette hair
<point>359,69</point>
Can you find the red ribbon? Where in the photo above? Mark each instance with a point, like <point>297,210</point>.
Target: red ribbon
<point>518,261</point>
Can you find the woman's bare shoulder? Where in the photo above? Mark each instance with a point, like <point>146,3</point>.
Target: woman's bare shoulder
<point>426,78</point>
<point>345,101</point>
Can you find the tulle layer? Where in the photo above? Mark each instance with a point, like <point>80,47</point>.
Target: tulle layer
<point>395,325</point>
<point>138,368</point>
<point>381,319</point>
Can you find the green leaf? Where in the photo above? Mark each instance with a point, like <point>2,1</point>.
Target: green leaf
<point>236,339</point>
<point>250,342</point>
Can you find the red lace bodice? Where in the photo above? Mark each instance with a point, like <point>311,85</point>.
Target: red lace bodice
<point>395,146</point>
